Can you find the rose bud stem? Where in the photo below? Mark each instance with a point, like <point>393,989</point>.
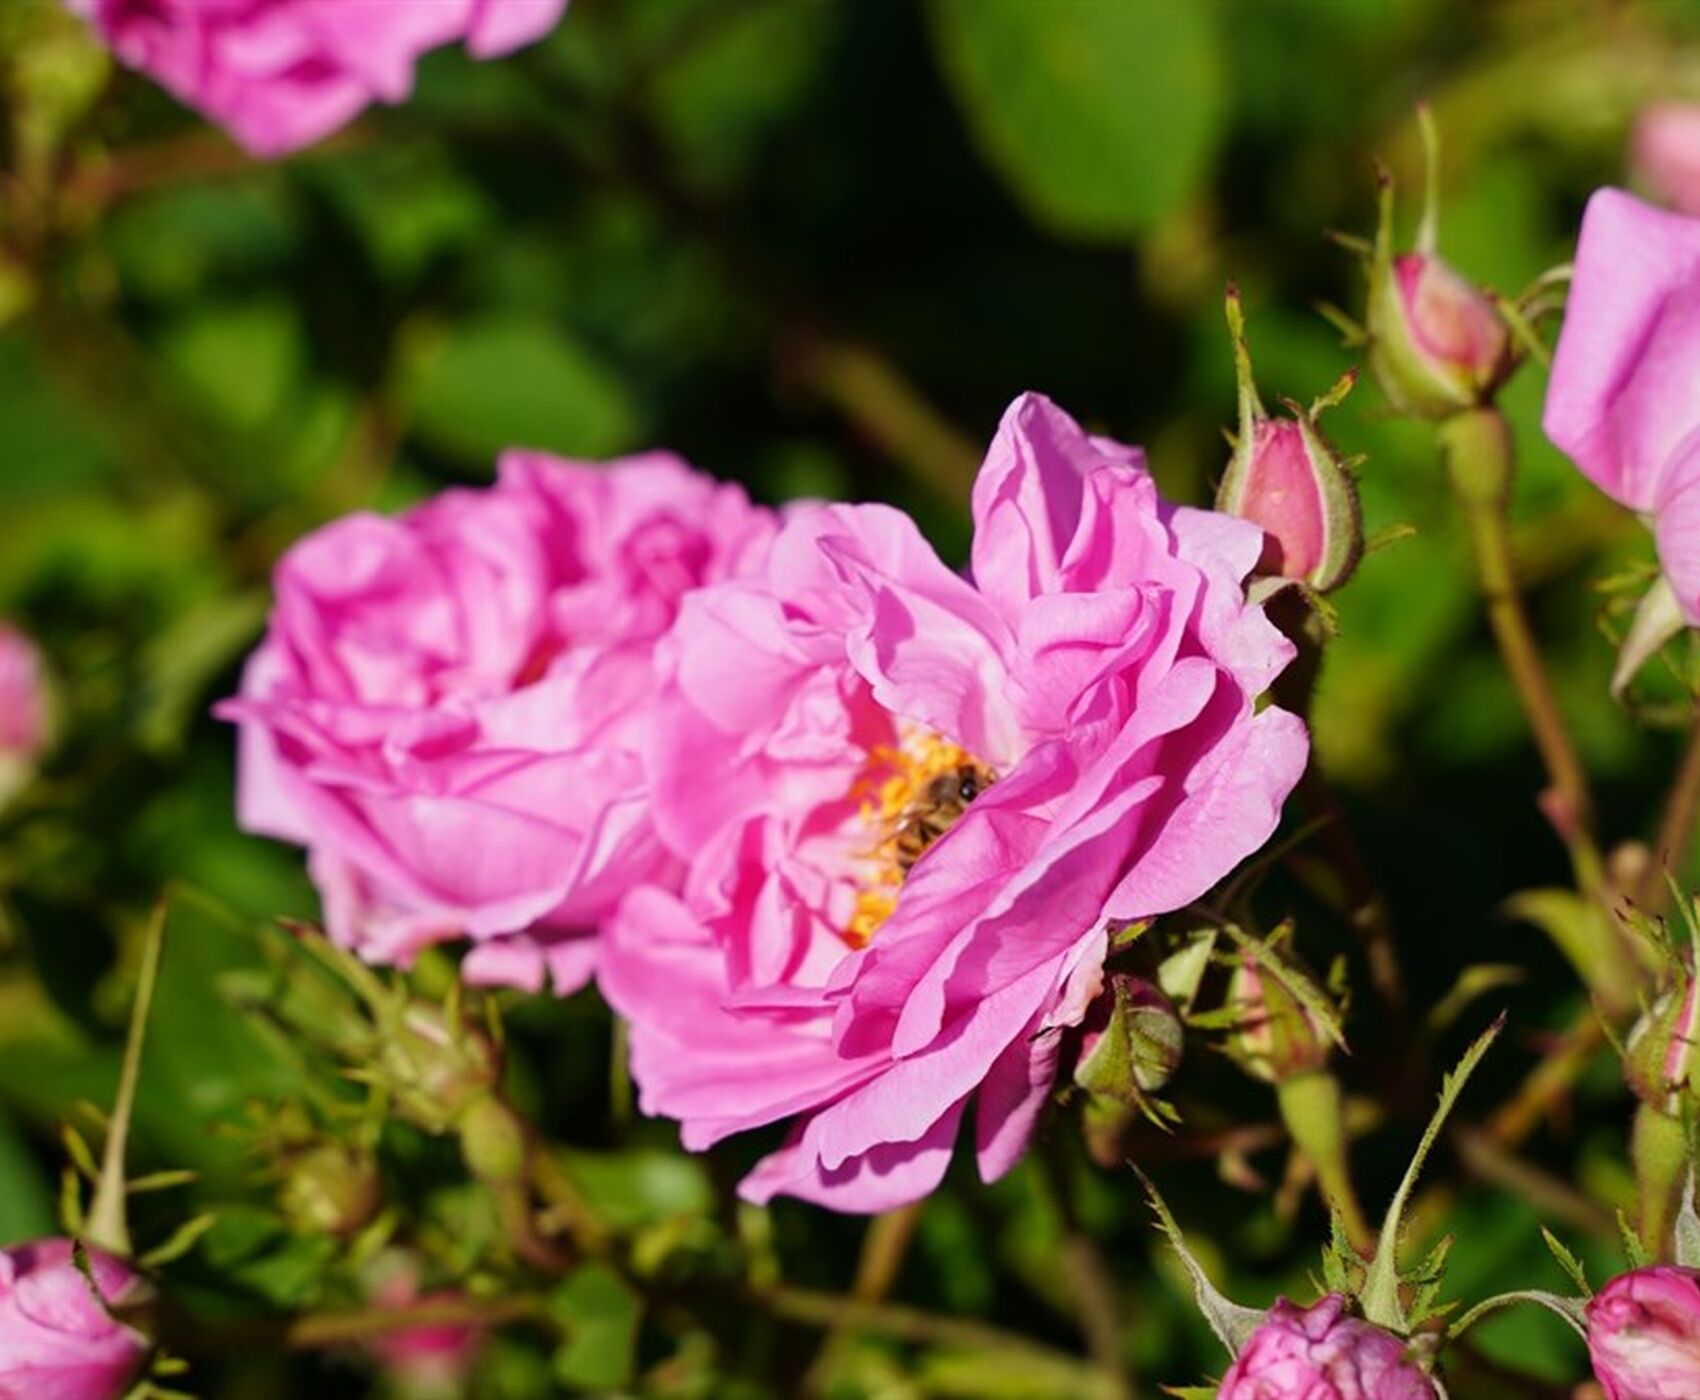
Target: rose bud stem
<point>1659,1149</point>
<point>1476,448</point>
<point>1313,1109</point>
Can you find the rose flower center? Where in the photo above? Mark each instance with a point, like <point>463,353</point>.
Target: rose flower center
<point>912,794</point>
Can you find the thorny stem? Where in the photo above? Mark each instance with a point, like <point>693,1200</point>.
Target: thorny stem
<point>1084,1271</point>
<point>1676,827</point>
<point>1476,447</point>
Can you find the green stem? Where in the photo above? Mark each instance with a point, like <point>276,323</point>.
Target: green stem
<point>338,1329</point>
<point>1314,1111</point>
<point>1659,1149</point>
<point>1476,446</point>
<point>884,1246</point>
<point>1671,848</point>
<point>106,1227</point>
<point>1083,1269</point>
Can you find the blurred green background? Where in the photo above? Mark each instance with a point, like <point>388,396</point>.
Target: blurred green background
<point>814,245</point>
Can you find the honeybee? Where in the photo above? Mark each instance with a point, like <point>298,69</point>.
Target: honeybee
<point>935,809</point>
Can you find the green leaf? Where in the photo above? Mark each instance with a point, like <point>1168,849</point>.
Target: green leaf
<point>1102,118</point>
<point>512,380</point>
<point>601,1316</point>
<point>1231,1322</point>
<point>1567,1261</point>
<point>641,1187</point>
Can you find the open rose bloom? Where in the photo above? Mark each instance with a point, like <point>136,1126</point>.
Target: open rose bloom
<point>1323,1353</point>
<point>1624,399</point>
<point>281,74</point>
<point>1644,1334</point>
<point>58,1337</point>
<point>915,806</point>
<point>447,708</point>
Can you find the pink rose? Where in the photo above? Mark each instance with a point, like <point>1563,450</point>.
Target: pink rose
<point>23,704</point>
<point>447,707</point>
<point>1644,1334</point>
<point>430,1360</point>
<point>914,805</point>
<point>1664,150</point>
<point>1321,1353</point>
<point>1624,398</point>
<point>57,1335</point>
<point>23,711</point>
<point>280,74</point>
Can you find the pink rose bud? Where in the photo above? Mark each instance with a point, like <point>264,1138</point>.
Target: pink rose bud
<point>1437,343</point>
<point>1644,1334</point>
<point>1286,479</point>
<point>1664,152</point>
<point>58,1333</point>
<point>1276,1036</point>
<point>1661,1058</point>
<point>1322,1353</point>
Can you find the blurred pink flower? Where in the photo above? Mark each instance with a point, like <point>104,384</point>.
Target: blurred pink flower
<point>422,1361</point>
<point>23,703</point>
<point>1322,1353</point>
<point>1644,1334</point>
<point>447,706</point>
<point>57,1337</point>
<point>915,805</point>
<point>281,74</point>
<point>1664,151</point>
<point>1622,401</point>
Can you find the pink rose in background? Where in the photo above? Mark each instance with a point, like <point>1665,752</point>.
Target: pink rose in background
<point>1664,151</point>
<point>1644,1334</point>
<point>1624,398</point>
<point>422,1362</point>
<point>23,701</point>
<point>1322,1353</point>
<point>914,805</point>
<point>447,708</point>
<point>281,74</point>
<point>23,711</point>
<point>57,1335</point>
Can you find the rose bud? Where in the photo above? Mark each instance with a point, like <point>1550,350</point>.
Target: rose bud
<point>59,1336</point>
<point>1285,478</point>
<point>1323,1353</point>
<point>1276,1036</point>
<point>1664,152</point>
<point>1132,1041</point>
<point>1437,343</point>
<point>436,1065</point>
<point>23,709</point>
<point>1644,1334</point>
<point>1659,1060</point>
<point>330,1189</point>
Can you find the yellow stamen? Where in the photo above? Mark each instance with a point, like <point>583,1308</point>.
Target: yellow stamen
<point>894,787</point>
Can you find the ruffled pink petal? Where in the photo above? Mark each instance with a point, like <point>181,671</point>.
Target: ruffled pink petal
<point>1677,528</point>
<point>887,1176</point>
<point>501,26</point>
<point>1027,499</point>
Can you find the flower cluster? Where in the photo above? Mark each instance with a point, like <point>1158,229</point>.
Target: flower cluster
<point>856,829</point>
